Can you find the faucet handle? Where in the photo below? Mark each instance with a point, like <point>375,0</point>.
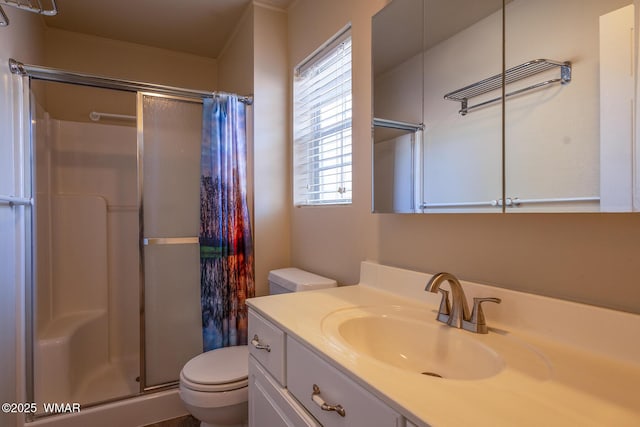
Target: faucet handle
<point>445,306</point>
<point>478,322</point>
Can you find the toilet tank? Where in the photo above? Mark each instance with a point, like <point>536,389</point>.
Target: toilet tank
<point>286,280</point>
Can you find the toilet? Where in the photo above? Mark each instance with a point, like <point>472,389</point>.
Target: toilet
<point>287,280</point>
<point>214,385</point>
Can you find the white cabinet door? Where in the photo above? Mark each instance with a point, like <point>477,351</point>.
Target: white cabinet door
<point>270,405</point>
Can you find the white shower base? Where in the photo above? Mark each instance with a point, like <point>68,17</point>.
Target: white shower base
<point>72,362</point>
<point>111,380</point>
<point>135,411</point>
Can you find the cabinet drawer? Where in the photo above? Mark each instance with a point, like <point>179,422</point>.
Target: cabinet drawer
<point>271,405</point>
<point>361,408</point>
<point>266,344</point>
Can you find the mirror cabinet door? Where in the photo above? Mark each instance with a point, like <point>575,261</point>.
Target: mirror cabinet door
<point>569,145</point>
<point>397,64</point>
<point>453,163</point>
<point>462,156</point>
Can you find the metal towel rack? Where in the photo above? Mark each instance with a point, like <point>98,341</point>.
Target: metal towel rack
<point>394,124</point>
<point>46,8</point>
<point>515,201</point>
<point>511,202</point>
<point>512,75</point>
<point>96,116</point>
<point>15,201</point>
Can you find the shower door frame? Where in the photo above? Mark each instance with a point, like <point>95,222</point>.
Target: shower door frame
<point>147,241</point>
<point>33,72</point>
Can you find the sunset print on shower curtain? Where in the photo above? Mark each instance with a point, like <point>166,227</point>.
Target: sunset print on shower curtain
<point>226,248</point>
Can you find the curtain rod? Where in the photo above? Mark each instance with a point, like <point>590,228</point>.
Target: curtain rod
<point>63,76</point>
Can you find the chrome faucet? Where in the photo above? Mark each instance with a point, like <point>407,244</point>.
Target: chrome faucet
<point>456,314</point>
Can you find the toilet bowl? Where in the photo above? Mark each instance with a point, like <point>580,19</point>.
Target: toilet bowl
<point>213,387</point>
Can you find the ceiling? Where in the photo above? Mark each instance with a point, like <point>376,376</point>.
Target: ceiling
<point>199,27</point>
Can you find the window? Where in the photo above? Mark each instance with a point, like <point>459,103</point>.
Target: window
<point>322,125</point>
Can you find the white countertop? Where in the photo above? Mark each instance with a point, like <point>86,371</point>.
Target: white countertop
<point>593,376</point>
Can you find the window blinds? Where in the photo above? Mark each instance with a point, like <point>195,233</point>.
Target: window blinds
<point>322,125</point>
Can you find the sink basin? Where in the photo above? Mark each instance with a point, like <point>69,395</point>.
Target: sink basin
<point>412,340</point>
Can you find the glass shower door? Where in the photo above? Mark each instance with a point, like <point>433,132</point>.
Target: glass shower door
<point>82,308</point>
<point>169,138</point>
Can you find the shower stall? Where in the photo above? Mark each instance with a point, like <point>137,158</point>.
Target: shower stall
<point>113,310</point>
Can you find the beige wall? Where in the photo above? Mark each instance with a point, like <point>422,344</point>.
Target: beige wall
<point>271,157</point>
<point>112,58</point>
<point>23,41</point>
<point>254,61</point>
<point>332,241</point>
<point>235,63</point>
<point>591,258</point>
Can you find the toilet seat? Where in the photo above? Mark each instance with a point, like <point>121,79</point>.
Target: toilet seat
<point>212,388</point>
<point>217,370</point>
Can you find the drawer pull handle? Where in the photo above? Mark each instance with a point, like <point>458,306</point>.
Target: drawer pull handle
<point>256,343</point>
<point>315,396</point>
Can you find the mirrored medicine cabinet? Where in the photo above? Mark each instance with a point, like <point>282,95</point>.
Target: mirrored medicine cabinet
<point>505,106</point>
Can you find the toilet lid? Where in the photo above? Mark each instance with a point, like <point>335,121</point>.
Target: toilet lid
<point>219,366</point>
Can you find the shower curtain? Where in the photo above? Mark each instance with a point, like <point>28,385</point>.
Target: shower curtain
<point>226,249</point>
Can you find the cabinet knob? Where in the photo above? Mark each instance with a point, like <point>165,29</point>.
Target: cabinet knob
<point>318,400</point>
<point>256,343</point>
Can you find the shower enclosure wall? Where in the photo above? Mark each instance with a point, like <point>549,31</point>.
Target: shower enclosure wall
<point>114,309</point>
<point>86,337</point>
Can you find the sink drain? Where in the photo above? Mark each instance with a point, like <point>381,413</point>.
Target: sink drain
<point>432,374</point>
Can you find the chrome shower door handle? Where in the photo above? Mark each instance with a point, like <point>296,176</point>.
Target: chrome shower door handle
<point>149,241</point>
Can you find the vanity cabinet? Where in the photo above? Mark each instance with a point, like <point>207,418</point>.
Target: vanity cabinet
<point>271,404</point>
<point>295,401</point>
